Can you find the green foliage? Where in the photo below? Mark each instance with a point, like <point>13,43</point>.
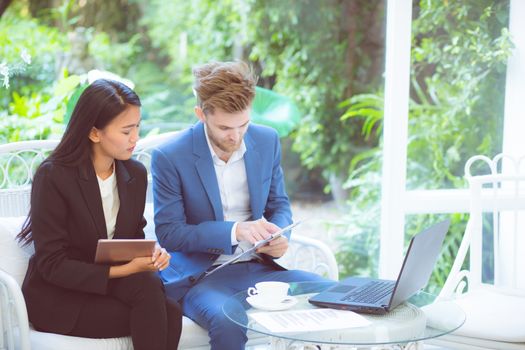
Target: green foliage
<point>39,115</point>
<point>32,108</point>
<point>358,251</point>
<point>194,32</point>
<point>300,49</point>
<point>459,52</point>
<point>369,107</point>
<point>305,47</point>
<point>19,33</point>
<point>307,63</point>
<point>114,56</point>
<point>275,110</point>
<point>458,74</point>
<point>32,85</point>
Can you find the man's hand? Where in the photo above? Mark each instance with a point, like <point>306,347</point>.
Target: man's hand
<point>254,231</point>
<point>275,248</point>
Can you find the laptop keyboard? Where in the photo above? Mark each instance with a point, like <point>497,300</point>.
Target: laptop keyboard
<point>370,293</point>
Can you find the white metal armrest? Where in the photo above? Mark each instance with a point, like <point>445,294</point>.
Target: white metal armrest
<point>310,255</point>
<point>13,312</point>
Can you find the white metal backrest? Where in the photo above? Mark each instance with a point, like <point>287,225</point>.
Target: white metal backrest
<point>19,160</point>
<point>145,145</point>
<point>143,155</point>
<point>497,204</point>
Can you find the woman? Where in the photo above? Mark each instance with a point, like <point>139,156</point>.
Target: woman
<point>88,189</point>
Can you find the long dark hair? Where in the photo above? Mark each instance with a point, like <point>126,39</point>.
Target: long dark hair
<point>98,105</point>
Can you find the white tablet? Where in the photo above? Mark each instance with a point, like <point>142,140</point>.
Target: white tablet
<point>123,250</point>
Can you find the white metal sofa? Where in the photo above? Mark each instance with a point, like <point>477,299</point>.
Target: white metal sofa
<point>17,164</point>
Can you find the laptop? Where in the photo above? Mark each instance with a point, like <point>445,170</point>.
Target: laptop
<point>378,296</point>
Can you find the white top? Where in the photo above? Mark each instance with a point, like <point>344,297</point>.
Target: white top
<point>110,201</point>
<point>235,195</point>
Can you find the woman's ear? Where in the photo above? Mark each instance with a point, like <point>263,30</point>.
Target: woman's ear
<point>94,135</point>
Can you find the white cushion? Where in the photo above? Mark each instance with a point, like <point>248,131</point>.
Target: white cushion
<point>493,316</point>
<point>458,342</point>
<point>444,315</point>
<point>13,259</point>
<point>52,341</point>
<point>193,335</point>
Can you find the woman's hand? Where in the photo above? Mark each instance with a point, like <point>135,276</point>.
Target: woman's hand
<point>158,261</point>
<point>141,264</point>
<point>160,258</point>
<point>136,265</point>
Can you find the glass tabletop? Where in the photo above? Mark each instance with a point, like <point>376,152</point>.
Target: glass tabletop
<point>417,319</point>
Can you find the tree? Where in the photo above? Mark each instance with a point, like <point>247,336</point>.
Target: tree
<point>3,6</point>
<point>317,53</point>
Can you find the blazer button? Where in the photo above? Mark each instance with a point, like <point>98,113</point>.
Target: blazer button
<point>192,279</point>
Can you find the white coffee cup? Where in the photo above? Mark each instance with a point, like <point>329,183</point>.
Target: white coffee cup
<point>270,291</point>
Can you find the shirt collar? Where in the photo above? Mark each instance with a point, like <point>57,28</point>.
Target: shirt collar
<point>236,155</point>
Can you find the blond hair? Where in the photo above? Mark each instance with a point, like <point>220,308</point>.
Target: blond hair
<point>229,86</point>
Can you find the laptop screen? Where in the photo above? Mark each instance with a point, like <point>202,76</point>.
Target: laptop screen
<point>419,262</point>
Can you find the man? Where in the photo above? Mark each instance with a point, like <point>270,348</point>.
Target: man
<point>218,188</point>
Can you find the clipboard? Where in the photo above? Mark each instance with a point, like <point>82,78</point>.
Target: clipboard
<point>252,250</point>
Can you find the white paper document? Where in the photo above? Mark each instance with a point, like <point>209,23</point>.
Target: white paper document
<point>309,320</point>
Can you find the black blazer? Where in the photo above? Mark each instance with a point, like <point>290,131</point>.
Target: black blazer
<point>67,220</point>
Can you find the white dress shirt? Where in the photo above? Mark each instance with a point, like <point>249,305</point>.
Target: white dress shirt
<point>110,201</point>
<point>235,195</point>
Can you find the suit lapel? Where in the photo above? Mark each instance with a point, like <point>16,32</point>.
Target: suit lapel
<point>206,170</point>
<point>253,162</point>
<point>126,196</point>
<point>91,193</point>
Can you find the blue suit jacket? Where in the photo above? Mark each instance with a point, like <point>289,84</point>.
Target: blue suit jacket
<point>189,218</point>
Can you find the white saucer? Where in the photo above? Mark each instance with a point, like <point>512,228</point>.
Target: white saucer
<point>283,305</point>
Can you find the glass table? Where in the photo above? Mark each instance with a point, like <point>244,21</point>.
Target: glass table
<point>405,327</point>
